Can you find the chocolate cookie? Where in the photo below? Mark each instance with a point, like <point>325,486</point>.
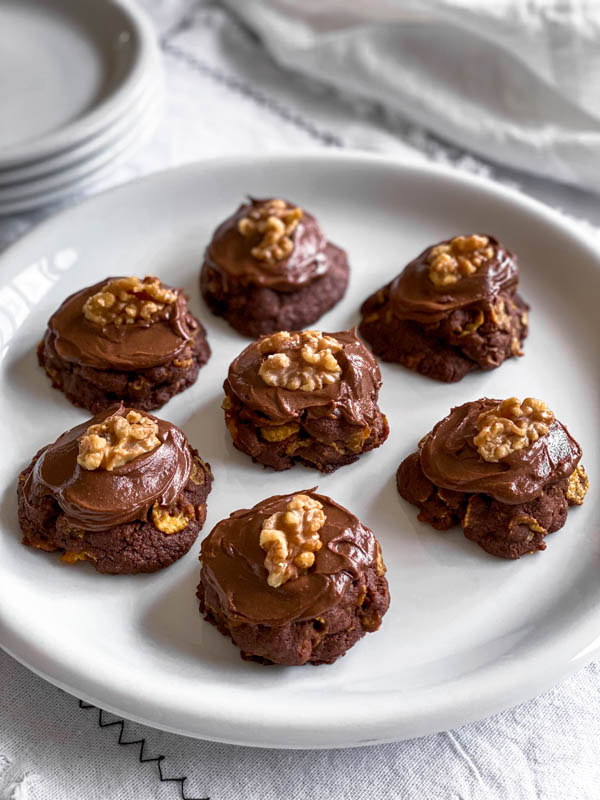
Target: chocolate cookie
<point>295,579</point>
<point>454,309</point>
<point>309,397</point>
<point>123,491</point>
<point>269,268</point>
<point>504,470</point>
<point>123,339</point>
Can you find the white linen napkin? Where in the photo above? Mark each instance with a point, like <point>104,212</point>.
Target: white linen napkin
<point>517,82</point>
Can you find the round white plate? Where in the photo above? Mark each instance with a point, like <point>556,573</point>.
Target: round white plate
<point>93,57</point>
<point>153,88</point>
<point>466,634</point>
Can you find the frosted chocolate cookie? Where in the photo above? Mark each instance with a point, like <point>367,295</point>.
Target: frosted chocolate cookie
<point>307,397</point>
<point>454,309</point>
<point>296,579</point>
<point>124,491</point>
<point>506,471</point>
<point>269,267</point>
<point>123,339</point>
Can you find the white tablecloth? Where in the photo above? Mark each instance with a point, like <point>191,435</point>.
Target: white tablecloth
<point>226,95</point>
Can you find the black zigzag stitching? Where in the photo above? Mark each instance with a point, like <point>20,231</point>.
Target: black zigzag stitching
<point>142,758</point>
<point>254,94</point>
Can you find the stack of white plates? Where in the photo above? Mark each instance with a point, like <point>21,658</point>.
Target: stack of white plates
<point>81,87</point>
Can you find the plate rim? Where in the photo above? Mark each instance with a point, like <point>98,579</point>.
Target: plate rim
<point>76,177</point>
<point>153,86</point>
<point>579,233</point>
<point>19,649</point>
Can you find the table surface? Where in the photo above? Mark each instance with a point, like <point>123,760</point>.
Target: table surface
<point>225,96</point>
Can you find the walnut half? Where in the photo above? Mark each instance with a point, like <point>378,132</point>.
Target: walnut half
<point>125,301</point>
<point>511,426</point>
<point>290,539</point>
<point>462,256</point>
<point>272,224</point>
<point>304,361</point>
<point>117,440</point>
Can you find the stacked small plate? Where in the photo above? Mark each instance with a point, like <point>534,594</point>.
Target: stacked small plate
<point>81,88</point>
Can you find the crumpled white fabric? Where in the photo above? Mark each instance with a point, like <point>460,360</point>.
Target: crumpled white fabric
<point>226,96</point>
<point>517,82</point>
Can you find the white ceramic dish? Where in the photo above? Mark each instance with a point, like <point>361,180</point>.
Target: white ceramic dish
<point>93,56</point>
<point>60,185</point>
<point>153,89</point>
<point>466,634</point>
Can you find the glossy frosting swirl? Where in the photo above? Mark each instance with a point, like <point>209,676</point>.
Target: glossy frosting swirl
<point>413,296</point>
<point>95,500</point>
<point>450,459</point>
<point>229,254</point>
<point>124,347</point>
<point>353,396</point>
<point>233,564</point>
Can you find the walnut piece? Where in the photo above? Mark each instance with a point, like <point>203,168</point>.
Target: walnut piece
<point>291,538</point>
<point>304,361</point>
<point>511,426</point>
<point>125,301</point>
<point>116,441</point>
<point>462,256</point>
<point>275,222</point>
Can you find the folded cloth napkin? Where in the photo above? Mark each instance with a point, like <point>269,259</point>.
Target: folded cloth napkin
<point>515,82</point>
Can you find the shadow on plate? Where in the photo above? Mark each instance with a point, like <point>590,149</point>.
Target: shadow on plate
<point>8,510</point>
<point>175,624</point>
<point>25,378</point>
<point>396,514</point>
<point>207,432</point>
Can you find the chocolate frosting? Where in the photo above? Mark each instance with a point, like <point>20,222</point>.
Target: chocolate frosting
<point>229,254</point>
<point>126,347</point>
<point>413,296</point>
<point>353,396</point>
<point>450,459</point>
<point>95,500</point>
<point>233,564</point>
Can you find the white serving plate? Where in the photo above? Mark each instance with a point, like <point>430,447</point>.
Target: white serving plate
<point>467,634</point>
<point>69,69</point>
